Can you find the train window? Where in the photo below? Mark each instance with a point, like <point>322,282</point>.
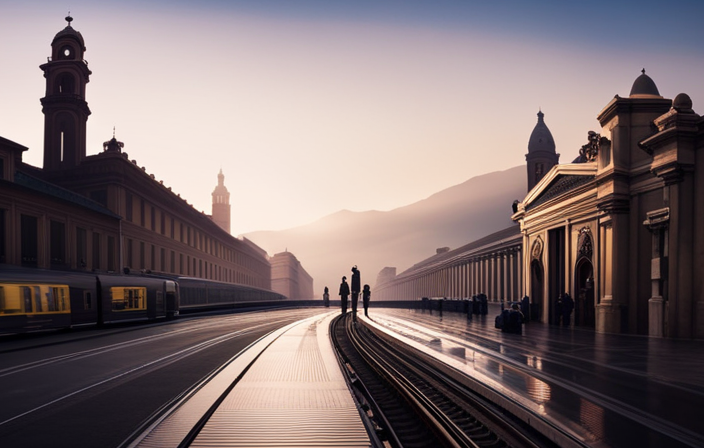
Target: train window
<point>57,298</point>
<point>87,300</point>
<point>34,299</point>
<point>128,298</point>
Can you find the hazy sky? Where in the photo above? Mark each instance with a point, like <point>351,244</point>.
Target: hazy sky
<point>310,107</point>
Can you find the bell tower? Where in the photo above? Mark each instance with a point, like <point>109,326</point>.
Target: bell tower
<point>64,104</point>
<point>221,204</point>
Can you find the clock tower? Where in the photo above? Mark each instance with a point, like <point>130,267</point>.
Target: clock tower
<point>64,105</point>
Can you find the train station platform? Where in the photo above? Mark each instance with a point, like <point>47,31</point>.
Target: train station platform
<point>287,389</point>
<point>602,389</point>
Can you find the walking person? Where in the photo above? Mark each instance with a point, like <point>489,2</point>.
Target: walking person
<point>356,288</point>
<point>344,293</point>
<point>366,292</point>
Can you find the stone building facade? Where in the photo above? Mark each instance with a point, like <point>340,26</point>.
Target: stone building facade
<point>113,215</point>
<point>620,229</point>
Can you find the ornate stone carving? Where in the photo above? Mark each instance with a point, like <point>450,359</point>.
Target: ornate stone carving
<point>536,251</point>
<point>590,151</point>
<point>585,246</point>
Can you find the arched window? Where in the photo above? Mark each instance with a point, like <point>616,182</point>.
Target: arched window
<point>65,83</point>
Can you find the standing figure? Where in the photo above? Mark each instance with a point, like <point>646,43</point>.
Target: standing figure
<point>567,307</point>
<point>356,288</point>
<point>366,292</point>
<point>525,308</point>
<point>344,293</point>
<point>326,298</point>
<point>558,309</point>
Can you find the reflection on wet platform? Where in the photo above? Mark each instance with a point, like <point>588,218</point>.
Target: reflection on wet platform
<point>610,390</point>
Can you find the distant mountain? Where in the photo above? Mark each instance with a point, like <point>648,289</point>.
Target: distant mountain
<point>458,215</point>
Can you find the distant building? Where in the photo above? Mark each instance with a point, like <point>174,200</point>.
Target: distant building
<point>386,275</point>
<point>221,204</point>
<point>289,278</point>
<point>104,212</point>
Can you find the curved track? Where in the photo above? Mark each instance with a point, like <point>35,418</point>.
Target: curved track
<point>418,402</point>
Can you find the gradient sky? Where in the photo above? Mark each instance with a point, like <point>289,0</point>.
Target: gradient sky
<point>310,107</point>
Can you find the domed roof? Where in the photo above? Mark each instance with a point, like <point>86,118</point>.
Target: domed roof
<point>644,86</point>
<point>541,139</point>
<point>69,32</point>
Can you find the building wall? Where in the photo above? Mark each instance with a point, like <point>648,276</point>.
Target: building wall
<point>491,265</point>
<point>288,277</point>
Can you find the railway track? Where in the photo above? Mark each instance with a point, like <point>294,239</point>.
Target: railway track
<point>414,401</point>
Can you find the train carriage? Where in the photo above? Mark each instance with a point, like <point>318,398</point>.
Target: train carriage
<point>39,299</point>
<point>198,293</point>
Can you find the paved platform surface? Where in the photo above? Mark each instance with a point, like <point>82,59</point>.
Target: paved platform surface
<point>288,391</point>
<point>609,390</point>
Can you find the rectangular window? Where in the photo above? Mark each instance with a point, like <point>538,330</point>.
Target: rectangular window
<point>162,262</point>
<point>128,207</point>
<point>96,250</point>
<point>28,240</point>
<point>111,253</point>
<point>173,262</point>
<point>130,253</point>
<point>173,230</point>
<point>81,248</point>
<point>163,223</point>
<point>57,243</point>
<point>152,261</point>
<point>141,255</point>
<point>87,300</point>
<point>142,218</point>
<point>153,218</point>
<point>129,298</point>
<point>3,236</point>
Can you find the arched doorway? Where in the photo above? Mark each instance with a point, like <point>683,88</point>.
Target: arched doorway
<point>584,315</point>
<point>537,281</point>
<point>584,310</point>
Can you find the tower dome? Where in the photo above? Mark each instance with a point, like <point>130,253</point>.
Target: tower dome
<point>644,87</point>
<point>541,152</point>
<point>70,32</point>
<point>541,139</point>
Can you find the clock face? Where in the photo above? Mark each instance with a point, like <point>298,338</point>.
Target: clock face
<point>66,52</point>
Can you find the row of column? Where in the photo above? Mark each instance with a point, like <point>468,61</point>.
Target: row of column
<point>498,274</point>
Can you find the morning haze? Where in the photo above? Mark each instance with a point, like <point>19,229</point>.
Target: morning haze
<point>314,107</point>
<point>403,236</point>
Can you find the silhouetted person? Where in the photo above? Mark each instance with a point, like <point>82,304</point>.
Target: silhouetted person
<point>344,293</point>
<point>558,309</point>
<point>326,297</point>
<point>356,288</point>
<point>513,320</point>
<point>366,293</point>
<point>525,308</point>
<point>567,307</point>
<point>484,304</point>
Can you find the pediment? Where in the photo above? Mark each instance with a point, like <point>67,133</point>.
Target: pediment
<point>560,180</point>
